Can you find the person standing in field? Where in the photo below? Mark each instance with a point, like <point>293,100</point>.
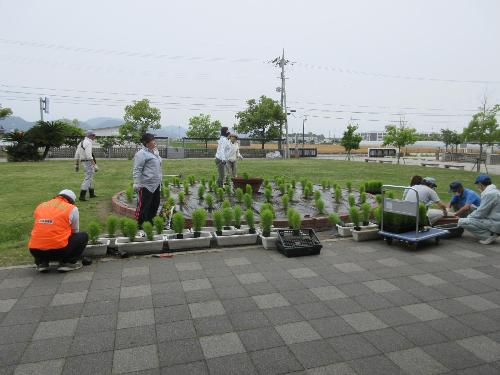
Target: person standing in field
<point>221,155</point>
<point>85,155</point>
<point>147,175</point>
<point>234,155</point>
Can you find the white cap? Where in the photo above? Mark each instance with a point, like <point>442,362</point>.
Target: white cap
<point>89,133</point>
<point>69,194</point>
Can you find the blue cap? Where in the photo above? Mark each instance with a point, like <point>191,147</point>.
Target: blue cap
<point>482,178</point>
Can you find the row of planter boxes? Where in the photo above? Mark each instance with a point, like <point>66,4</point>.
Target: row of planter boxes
<point>170,242</point>
<point>366,232</point>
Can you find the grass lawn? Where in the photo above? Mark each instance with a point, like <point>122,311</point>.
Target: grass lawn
<point>24,185</point>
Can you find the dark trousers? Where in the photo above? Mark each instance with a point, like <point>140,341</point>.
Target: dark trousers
<point>69,254</point>
<point>147,205</point>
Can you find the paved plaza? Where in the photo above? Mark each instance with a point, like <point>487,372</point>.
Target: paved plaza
<point>358,308</point>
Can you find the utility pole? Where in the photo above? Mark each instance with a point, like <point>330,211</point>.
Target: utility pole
<point>281,62</point>
<point>303,137</point>
<point>44,106</point>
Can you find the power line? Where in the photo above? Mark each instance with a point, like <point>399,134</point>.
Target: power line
<point>151,55</point>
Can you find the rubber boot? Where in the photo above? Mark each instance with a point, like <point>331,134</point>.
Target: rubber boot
<point>92,193</point>
<point>82,195</point>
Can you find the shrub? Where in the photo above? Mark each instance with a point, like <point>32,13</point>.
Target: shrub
<point>366,210</point>
<point>211,186</point>
<point>176,181</point>
<point>266,181</point>
<point>178,222</point>
<point>373,187</point>
<point>333,218</point>
<point>324,184</point>
<point>239,195</point>
<point>199,217</point>
<point>303,182</point>
<point>328,185</point>
<point>250,219</point>
<point>186,187</point>
<point>247,199</point>
<point>237,217</point>
<point>111,225</point>
<point>338,194</point>
<point>159,224</point>
<point>378,198</point>
<point>293,182</point>
<point>217,216</point>
<point>227,190</point>
<point>307,192</point>
<point>220,194</point>
<point>317,195</point>
<point>289,215</point>
<point>390,194</point>
<point>246,176</point>
<point>248,189</point>
<point>349,186</point>
<point>268,194</point>
<point>362,197</point>
<point>351,200</point>
<point>266,221</point>
<point>268,207</point>
<point>203,181</point>
<point>296,220</point>
<point>226,203</point>
<point>123,229</point>
<point>209,199</point>
<point>192,180</point>
<point>354,215</point>
<point>180,198</point>
<point>166,192</point>
<point>201,192</point>
<point>361,188</point>
<point>227,214</point>
<point>285,199</point>
<point>130,228</point>
<point>282,188</point>
<point>93,230</point>
<point>171,202</point>
<point>320,206</point>
<point>129,193</point>
<point>422,214</point>
<point>147,227</point>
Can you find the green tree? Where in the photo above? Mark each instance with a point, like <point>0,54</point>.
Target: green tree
<point>350,140</point>
<point>5,112</point>
<point>447,137</point>
<point>139,117</point>
<point>202,126</point>
<point>483,129</point>
<point>20,149</point>
<point>261,119</point>
<point>107,142</point>
<point>399,136</point>
<point>49,134</point>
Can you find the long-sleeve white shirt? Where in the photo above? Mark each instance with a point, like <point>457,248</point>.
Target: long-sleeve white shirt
<point>84,150</point>
<point>234,152</point>
<point>223,148</point>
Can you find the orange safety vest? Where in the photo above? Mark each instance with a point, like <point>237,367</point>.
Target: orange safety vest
<point>52,227</point>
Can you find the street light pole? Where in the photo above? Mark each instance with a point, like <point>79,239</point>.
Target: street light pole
<point>303,134</point>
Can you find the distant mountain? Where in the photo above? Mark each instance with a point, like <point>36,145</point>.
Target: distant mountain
<point>171,131</point>
<point>14,122</point>
<point>102,122</point>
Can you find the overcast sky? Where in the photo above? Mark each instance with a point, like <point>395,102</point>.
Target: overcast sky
<point>368,61</point>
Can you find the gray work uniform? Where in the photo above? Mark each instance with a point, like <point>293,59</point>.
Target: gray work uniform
<point>84,155</point>
<point>486,219</point>
<point>221,156</point>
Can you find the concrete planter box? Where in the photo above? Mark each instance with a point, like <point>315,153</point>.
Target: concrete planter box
<point>143,246</point>
<point>369,226</point>
<point>168,232</point>
<point>112,240</point>
<point>98,250</point>
<point>188,242</point>
<point>269,243</point>
<point>365,235</point>
<point>345,231</point>
<point>236,239</point>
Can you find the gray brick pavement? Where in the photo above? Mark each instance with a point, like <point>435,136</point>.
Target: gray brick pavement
<point>358,308</point>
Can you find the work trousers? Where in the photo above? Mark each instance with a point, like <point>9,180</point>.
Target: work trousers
<point>231,168</point>
<point>69,254</point>
<point>88,177</point>
<point>221,171</point>
<point>147,205</point>
<point>475,227</point>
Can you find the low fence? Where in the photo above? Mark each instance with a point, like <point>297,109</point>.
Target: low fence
<point>491,159</point>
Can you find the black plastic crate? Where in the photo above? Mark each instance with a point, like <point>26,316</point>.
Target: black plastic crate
<point>293,245</point>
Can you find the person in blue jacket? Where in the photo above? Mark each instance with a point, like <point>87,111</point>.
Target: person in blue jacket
<point>464,201</point>
<point>484,223</point>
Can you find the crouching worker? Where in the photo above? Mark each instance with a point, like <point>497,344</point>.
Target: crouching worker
<point>55,235</point>
<point>484,223</point>
<point>464,200</point>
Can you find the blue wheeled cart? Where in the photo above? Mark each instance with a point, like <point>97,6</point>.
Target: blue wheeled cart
<point>407,208</point>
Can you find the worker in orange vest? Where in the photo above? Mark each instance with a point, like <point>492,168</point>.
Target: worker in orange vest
<point>55,235</point>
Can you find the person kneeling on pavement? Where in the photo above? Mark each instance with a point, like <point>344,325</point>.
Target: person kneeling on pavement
<point>55,235</point>
<point>464,201</point>
<point>484,223</point>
